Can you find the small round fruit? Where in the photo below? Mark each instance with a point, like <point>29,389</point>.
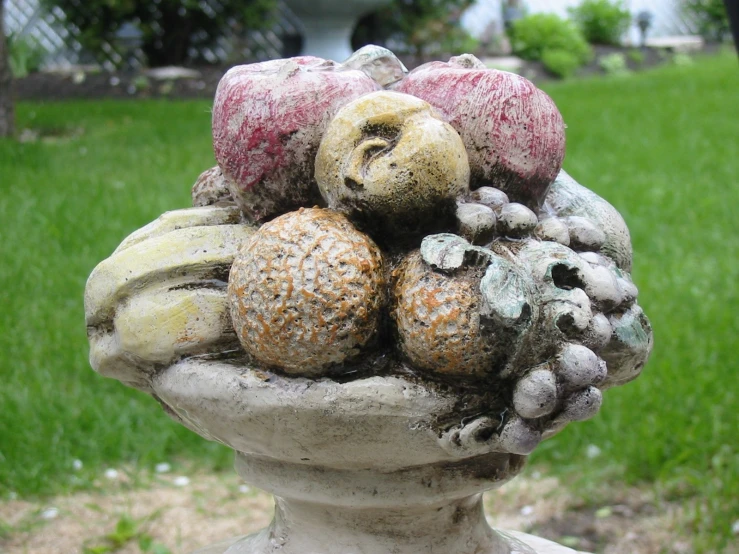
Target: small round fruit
<point>516,220</point>
<point>553,229</point>
<point>582,405</point>
<point>536,394</point>
<point>579,366</point>
<point>210,188</point>
<point>491,197</point>
<point>306,292</point>
<point>476,222</point>
<point>438,320</point>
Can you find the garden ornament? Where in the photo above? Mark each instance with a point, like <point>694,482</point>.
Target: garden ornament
<point>327,25</point>
<point>383,300</point>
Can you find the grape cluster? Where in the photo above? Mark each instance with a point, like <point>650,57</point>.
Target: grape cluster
<point>580,333</point>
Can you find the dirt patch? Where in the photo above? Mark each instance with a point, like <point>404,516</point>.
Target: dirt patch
<point>178,515</point>
<point>613,520</point>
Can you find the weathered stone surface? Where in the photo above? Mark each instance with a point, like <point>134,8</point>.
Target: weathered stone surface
<point>391,164</point>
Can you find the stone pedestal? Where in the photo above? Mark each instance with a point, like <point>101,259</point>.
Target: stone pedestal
<point>457,527</point>
<point>328,25</point>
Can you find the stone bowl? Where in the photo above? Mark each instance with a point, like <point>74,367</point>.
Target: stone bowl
<point>377,437</point>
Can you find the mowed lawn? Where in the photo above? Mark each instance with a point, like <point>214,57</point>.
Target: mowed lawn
<point>663,147</point>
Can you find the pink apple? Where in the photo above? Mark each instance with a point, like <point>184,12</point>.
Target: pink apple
<point>514,134</point>
<point>268,120</point>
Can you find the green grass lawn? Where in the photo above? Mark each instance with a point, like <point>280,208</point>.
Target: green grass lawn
<point>663,147</point>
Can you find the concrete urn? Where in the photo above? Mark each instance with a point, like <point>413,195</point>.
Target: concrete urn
<point>399,327</point>
<point>328,24</point>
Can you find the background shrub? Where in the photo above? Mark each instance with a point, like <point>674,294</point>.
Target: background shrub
<point>169,27</point>
<point>532,35</point>
<point>712,18</point>
<point>25,55</point>
<point>560,63</point>
<point>636,56</point>
<point>601,21</point>
<point>614,64</point>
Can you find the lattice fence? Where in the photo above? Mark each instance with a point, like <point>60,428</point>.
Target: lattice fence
<point>59,38</point>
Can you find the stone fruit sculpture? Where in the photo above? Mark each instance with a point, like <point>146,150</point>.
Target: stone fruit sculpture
<point>382,300</point>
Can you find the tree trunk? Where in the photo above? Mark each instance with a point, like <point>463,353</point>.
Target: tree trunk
<point>170,47</point>
<point>732,8</point>
<point>7,116</point>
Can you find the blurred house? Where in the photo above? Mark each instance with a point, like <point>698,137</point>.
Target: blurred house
<point>485,17</point>
<point>483,20</point>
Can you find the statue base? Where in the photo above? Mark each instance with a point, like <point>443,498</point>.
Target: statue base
<point>422,510</point>
<point>458,527</point>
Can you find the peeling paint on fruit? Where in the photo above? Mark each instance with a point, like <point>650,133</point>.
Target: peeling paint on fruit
<point>513,131</point>
<point>268,119</point>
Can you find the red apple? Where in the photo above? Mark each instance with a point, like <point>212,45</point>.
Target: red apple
<point>268,120</point>
<point>514,134</point>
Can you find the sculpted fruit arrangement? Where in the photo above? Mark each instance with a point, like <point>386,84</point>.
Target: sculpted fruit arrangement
<point>447,239</point>
<point>406,224</point>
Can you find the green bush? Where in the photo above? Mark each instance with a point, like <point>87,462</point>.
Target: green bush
<point>614,64</point>
<point>601,21</point>
<point>25,55</point>
<point>682,59</point>
<point>560,63</point>
<point>532,35</point>
<point>713,21</point>
<point>636,56</point>
<point>170,28</point>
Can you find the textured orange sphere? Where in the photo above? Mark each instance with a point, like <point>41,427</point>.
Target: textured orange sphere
<point>438,320</point>
<point>306,292</point>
